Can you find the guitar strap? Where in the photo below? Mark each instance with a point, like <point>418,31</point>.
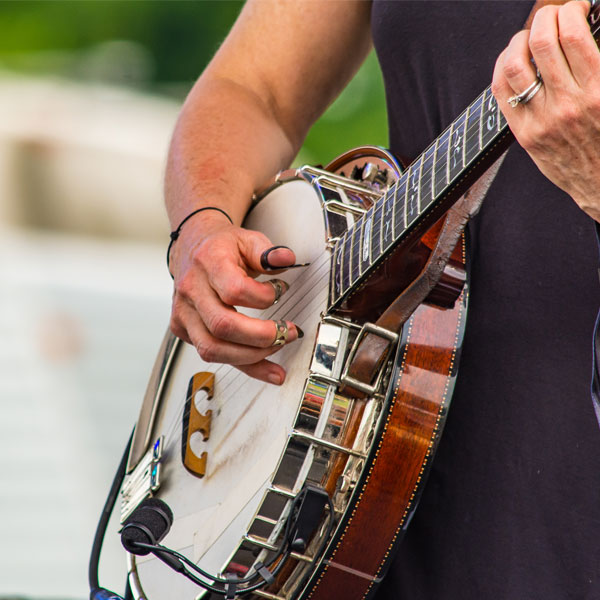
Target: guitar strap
<point>373,348</point>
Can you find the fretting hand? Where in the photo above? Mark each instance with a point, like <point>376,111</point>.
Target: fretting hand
<point>559,126</point>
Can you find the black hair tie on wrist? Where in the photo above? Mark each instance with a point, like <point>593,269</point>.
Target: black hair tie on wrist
<point>175,233</point>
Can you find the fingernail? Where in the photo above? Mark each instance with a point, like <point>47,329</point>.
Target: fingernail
<point>274,378</point>
<point>300,332</point>
<point>267,266</point>
<point>264,258</point>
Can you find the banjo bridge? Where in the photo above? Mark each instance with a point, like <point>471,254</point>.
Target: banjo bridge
<point>194,421</point>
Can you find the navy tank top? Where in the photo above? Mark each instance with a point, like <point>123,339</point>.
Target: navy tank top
<point>511,510</point>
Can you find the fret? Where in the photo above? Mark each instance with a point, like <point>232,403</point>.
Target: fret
<point>501,120</point>
<point>433,175</point>
<point>464,146</point>
<point>413,191</point>
<point>489,118</point>
<point>441,163</point>
<point>456,149</point>
<point>399,224</point>
<point>367,237</point>
<point>346,261</point>
<point>356,234</point>
<point>338,253</point>
<point>376,248</point>
<point>427,178</point>
<point>387,230</point>
<point>472,140</point>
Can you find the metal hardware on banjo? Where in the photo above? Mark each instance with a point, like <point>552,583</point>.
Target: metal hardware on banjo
<point>230,454</point>
<point>382,303</point>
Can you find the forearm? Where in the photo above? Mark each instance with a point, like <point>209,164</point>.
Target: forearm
<point>249,112</point>
<point>226,145</point>
<point>244,120</point>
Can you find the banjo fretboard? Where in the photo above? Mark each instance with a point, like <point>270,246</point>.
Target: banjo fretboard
<point>465,149</point>
<point>424,185</point>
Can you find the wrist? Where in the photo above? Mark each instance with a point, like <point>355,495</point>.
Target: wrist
<point>174,235</point>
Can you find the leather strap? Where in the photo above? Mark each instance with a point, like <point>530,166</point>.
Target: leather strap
<point>373,349</point>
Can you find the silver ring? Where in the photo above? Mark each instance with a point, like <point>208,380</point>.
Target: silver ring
<point>525,96</point>
<point>280,288</point>
<point>281,333</point>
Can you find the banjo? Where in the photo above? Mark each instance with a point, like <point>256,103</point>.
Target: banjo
<point>304,491</point>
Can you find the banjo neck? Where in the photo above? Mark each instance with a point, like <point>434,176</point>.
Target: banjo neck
<point>426,190</point>
<point>430,185</point>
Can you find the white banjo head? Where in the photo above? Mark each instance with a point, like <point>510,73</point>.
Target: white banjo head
<point>250,421</point>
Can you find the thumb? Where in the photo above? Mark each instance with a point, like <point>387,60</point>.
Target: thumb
<point>262,256</point>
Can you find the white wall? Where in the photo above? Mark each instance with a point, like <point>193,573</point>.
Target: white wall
<point>84,302</point>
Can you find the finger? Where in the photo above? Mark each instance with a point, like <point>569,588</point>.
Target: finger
<point>236,288</point>
<point>578,44</point>
<point>262,256</point>
<point>228,325</point>
<point>226,270</point>
<point>500,86</point>
<point>216,350</point>
<point>505,93</point>
<point>195,296</point>
<point>546,50</point>
<point>176,324</point>
<point>517,68</point>
<point>225,323</point>
<point>265,370</point>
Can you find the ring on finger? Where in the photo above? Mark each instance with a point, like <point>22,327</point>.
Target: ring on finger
<point>526,95</point>
<point>281,333</point>
<point>280,287</point>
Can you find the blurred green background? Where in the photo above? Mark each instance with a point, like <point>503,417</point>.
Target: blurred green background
<point>160,47</point>
<point>89,93</point>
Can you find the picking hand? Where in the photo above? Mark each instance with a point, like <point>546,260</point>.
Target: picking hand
<point>214,264</point>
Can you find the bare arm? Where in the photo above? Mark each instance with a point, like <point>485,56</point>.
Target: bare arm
<point>244,120</point>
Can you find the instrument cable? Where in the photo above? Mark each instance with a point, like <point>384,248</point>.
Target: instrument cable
<point>228,587</point>
<point>97,592</point>
<point>304,514</point>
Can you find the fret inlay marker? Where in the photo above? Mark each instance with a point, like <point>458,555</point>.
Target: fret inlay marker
<point>432,178</point>
<point>456,149</point>
<point>388,217</point>
<point>412,206</point>
<point>448,153</point>
<point>367,239</point>
<point>435,153</point>
<point>465,139</point>
<point>491,121</point>
<point>481,123</point>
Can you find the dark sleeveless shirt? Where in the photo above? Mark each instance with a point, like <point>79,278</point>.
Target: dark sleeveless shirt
<point>511,510</point>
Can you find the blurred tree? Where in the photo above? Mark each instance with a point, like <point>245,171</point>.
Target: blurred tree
<point>161,46</point>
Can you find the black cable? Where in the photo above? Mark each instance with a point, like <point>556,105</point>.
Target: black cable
<point>128,593</point>
<point>184,559</point>
<point>186,566</point>
<point>105,517</point>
